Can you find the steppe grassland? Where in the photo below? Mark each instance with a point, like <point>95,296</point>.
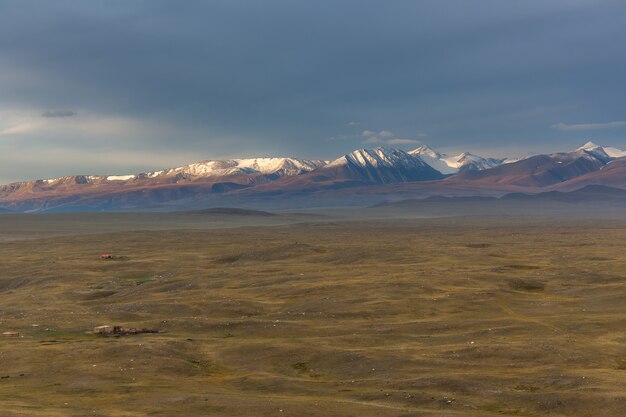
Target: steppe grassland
<point>397,318</point>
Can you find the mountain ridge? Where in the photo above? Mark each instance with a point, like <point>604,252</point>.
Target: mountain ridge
<point>377,174</point>
<point>453,164</point>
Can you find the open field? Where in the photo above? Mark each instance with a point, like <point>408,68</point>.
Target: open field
<point>420,317</point>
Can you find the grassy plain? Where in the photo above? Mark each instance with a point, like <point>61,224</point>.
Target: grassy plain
<point>420,317</point>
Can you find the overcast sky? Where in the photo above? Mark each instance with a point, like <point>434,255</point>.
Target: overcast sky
<point>111,87</point>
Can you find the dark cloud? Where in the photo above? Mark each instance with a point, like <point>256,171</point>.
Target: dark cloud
<point>58,113</point>
<point>243,77</point>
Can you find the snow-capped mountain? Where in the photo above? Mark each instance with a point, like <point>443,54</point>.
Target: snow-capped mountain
<point>220,168</point>
<point>276,167</point>
<point>435,159</point>
<point>379,158</point>
<point>602,151</point>
<point>364,170</point>
<point>468,160</point>
<point>546,170</point>
<point>382,165</point>
<point>452,164</point>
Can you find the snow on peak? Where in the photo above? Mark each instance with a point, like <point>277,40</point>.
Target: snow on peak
<point>71,179</point>
<point>614,152</point>
<point>121,177</point>
<point>594,151</point>
<point>379,158</point>
<point>213,168</point>
<point>452,164</point>
<point>435,159</point>
<point>602,151</point>
<point>425,150</point>
<point>289,166</point>
<point>588,146</point>
<point>467,159</point>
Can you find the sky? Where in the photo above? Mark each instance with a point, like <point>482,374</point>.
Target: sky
<point>123,86</point>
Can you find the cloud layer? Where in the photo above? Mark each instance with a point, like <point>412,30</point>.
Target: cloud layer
<point>386,137</point>
<point>220,78</point>
<point>590,126</point>
<point>58,113</point>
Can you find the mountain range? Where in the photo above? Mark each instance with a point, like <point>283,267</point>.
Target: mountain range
<point>362,177</point>
<point>452,164</point>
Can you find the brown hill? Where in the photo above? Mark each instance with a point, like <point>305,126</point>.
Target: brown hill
<point>612,175</point>
<point>537,171</point>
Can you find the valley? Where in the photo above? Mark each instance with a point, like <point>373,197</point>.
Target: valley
<point>332,313</point>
